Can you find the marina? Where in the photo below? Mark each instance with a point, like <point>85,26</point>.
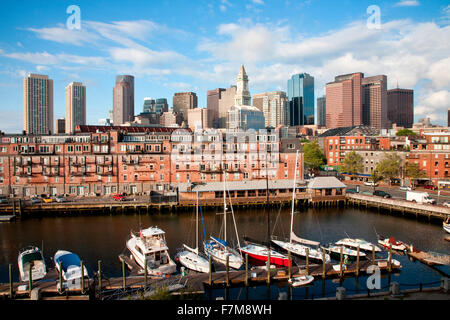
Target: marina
<point>121,274</point>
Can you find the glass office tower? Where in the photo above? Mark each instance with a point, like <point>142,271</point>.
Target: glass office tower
<point>301,99</point>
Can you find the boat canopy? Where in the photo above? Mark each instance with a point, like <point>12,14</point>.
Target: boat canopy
<point>67,260</point>
<point>33,256</point>
<point>219,241</point>
<point>304,241</point>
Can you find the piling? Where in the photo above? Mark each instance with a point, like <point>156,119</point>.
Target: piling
<point>373,255</point>
<point>210,270</point>
<point>227,267</point>
<point>268,267</point>
<point>100,277</point>
<point>30,280</point>
<point>357,262</point>
<point>390,259</point>
<point>246,269</point>
<point>82,277</point>
<point>145,271</point>
<point>60,279</point>
<point>340,262</point>
<point>290,265</point>
<point>323,264</point>
<point>124,279</point>
<point>307,261</point>
<point>11,292</point>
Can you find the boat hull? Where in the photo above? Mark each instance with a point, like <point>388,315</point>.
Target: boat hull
<point>300,250</point>
<point>235,261</point>
<point>446,227</point>
<point>363,245</point>
<point>261,257</point>
<point>71,265</point>
<point>34,257</point>
<point>387,245</point>
<point>301,281</point>
<point>192,261</point>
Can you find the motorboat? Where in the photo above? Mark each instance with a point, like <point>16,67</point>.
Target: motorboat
<point>298,246</point>
<point>335,252</point>
<point>191,257</point>
<point>355,243</point>
<point>391,242</point>
<point>260,253</point>
<point>301,281</point>
<point>31,256</point>
<point>446,224</point>
<point>69,265</point>
<point>149,249</point>
<point>219,249</point>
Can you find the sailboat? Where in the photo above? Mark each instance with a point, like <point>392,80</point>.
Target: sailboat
<point>218,248</point>
<point>189,257</point>
<point>446,224</point>
<point>296,245</point>
<point>260,252</point>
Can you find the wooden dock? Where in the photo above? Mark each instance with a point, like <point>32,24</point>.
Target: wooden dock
<point>7,218</point>
<point>428,258</point>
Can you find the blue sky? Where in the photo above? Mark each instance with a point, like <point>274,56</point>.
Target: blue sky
<point>176,46</point>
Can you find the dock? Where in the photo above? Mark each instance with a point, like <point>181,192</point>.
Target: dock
<point>428,258</point>
<point>7,218</point>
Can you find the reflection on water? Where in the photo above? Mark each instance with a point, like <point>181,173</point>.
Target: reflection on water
<point>103,238</point>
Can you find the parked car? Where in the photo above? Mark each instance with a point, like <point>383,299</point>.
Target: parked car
<point>371,184</point>
<point>447,204</point>
<point>430,187</point>
<point>367,193</point>
<point>48,200</point>
<point>405,188</point>
<point>380,193</point>
<point>3,199</point>
<point>35,200</point>
<point>119,197</point>
<point>61,198</point>
<point>351,191</point>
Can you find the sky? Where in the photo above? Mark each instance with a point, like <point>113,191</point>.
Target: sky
<point>177,46</point>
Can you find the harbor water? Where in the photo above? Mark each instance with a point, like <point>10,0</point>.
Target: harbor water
<point>103,237</point>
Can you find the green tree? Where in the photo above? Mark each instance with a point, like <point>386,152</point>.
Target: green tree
<point>376,177</point>
<point>313,156</point>
<point>389,167</point>
<point>405,132</point>
<point>413,172</point>
<point>352,164</point>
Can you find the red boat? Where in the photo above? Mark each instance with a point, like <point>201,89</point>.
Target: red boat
<point>259,253</point>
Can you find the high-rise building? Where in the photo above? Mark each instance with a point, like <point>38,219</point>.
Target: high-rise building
<point>343,99</point>
<point>38,104</point>
<point>226,101</point>
<point>149,105</point>
<point>212,104</point>
<point>61,125</point>
<point>75,106</point>
<point>198,118</point>
<point>448,117</point>
<point>401,107</point>
<point>321,111</point>
<point>245,118</point>
<point>184,101</point>
<point>170,119</point>
<point>157,106</point>
<point>301,99</point>
<point>123,107</point>
<point>242,97</point>
<point>374,102</point>
<point>275,107</point>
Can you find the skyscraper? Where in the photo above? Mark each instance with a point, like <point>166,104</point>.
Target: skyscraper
<point>75,106</point>
<point>301,99</point>
<point>242,97</point>
<point>38,104</point>
<point>343,99</point>
<point>212,104</point>
<point>374,102</point>
<point>184,101</point>
<point>123,107</point>
<point>401,107</point>
<point>275,107</point>
<point>321,111</point>
<point>61,125</point>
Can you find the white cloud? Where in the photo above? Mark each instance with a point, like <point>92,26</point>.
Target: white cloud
<point>258,1</point>
<point>407,3</point>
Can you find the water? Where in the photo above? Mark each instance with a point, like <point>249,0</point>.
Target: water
<point>103,238</point>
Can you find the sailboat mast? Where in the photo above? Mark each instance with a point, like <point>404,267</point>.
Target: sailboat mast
<point>293,197</point>
<point>196,224</point>
<point>224,210</point>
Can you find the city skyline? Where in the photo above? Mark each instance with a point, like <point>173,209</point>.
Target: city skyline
<point>168,57</point>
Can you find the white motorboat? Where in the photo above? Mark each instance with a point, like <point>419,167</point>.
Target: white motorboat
<point>355,243</point>
<point>218,248</point>
<point>31,256</point>
<point>301,281</point>
<point>298,246</point>
<point>70,265</point>
<point>191,258</point>
<point>446,224</point>
<point>149,247</point>
<point>335,251</point>
<point>391,243</point>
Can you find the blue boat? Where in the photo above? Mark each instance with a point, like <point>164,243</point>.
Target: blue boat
<point>70,265</point>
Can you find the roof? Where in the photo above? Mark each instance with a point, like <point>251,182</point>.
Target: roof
<point>325,183</point>
<point>349,131</point>
<point>239,185</point>
<point>128,129</point>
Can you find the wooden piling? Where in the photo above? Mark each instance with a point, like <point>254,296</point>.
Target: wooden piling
<point>60,278</point>
<point>246,270</point>
<point>227,268</point>
<point>30,280</point>
<point>82,277</point>
<point>124,279</point>
<point>323,264</point>
<point>145,271</point>
<point>290,265</point>
<point>340,262</point>
<point>268,267</point>
<point>100,277</point>
<point>390,259</point>
<point>307,261</point>
<point>11,291</point>
<point>373,255</point>
<point>210,270</point>
<point>357,261</point>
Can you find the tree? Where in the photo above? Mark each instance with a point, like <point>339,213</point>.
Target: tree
<point>313,155</point>
<point>352,164</point>
<point>389,167</point>
<point>405,132</point>
<point>413,172</point>
<point>376,177</point>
